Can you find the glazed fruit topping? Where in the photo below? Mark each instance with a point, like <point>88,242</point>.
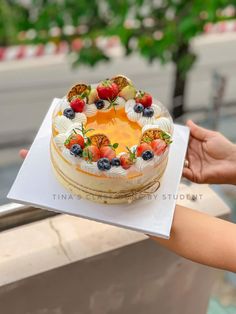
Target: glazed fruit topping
<point>77,104</point>
<point>76,150</point>
<point>121,81</point>
<point>115,162</point>
<point>99,140</point>
<point>144,98</point>
<point>125,161</point>
<point>128,92</point>
<point>100,104</point>
<point>107,152</point>
<point>74,139</point>
<point>148,112</point>
<point>158,146</point>
<point>142,148</point>
<point>107,90</point>
<point>104,164</point>
<point>138,108</point>
<point>69,113</point>
<point>147,155</point>
<point>79,89</point>
<point>128,159</point>
<point>91,153</point>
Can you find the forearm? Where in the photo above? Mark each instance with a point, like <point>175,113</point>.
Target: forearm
<point>202,239</point>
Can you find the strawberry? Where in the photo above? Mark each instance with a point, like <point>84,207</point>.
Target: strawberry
<point>77,104</point>
<point>125,161</point>
<point>107,152</point>
<point>91,153</point>
<point>144,98</point>
<point>142,147</point>
<point>74,139</point>
<point>107,90</point>
<point>158,146</point>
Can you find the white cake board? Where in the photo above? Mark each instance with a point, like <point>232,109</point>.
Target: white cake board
<point>36,185</point>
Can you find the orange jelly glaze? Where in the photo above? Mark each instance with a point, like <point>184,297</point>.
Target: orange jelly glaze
<point>117,127</point>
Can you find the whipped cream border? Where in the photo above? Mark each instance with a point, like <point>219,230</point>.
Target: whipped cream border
<point>65,126</point>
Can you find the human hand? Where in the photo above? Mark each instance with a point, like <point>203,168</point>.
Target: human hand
<point>23,153</point>
<point>211,157</point>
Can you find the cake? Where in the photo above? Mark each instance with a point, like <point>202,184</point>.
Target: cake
<point>110,141</point>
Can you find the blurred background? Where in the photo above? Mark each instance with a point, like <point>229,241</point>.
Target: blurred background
<point>183,52</point>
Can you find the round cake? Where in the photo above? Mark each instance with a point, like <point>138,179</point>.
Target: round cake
<point>110,141</point>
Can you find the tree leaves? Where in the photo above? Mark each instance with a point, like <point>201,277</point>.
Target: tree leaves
<point>139,21</point>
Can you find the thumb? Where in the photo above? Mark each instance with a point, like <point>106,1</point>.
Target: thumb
<point>23,153</point>
<point>197,131</point>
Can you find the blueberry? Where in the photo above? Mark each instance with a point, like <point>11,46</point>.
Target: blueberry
<point>100,104</point>
<point>115,162</point>
<point>76,150</point>
<point>148,112</point>
<point>147,155</point>
<point>104,164</point>
<point>138,108</point>
<point>69,113</point>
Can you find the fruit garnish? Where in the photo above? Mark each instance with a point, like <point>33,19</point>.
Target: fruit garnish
<point>128,92</point>
<point>100,104</point>
<point>104,164</point>
<point>77,104</point>
<point>107,90</point>
<point>121,81</point>
<point>128,159</point>
<point>148,112</point>
<point>144,98</point>
<point>80,89</point>
<point>125,161</point>
<point>147,155</point>
<point>165,137</point>
<point>150,135</point>
<point>99,140</point>
<point>69,113</point>
<point>74,139</point>
<point>158,146</point>
<point>138,108</point>
<point>76,150</point>
<point>115,162</point>
<point>91,153</point>
<point>142,148</point>
<point>153,134</point>
<point>107,152</point>
<point>92,96</point>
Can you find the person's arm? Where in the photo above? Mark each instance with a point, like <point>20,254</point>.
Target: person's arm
<point>197,236</point>
<point>202,239</point>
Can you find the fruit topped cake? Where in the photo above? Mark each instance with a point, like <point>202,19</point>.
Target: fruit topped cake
<point>110,141</point>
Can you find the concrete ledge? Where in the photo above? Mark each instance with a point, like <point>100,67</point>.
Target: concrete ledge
<point>41,246</point>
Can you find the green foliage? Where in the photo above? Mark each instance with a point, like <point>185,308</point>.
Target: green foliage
<point>89,56</point>
<point>155,29</point>
<point>12,20</point>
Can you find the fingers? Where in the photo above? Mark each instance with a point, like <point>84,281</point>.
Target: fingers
<point>197,131</point>
<point>23,153</point>
<point>188,174</point>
